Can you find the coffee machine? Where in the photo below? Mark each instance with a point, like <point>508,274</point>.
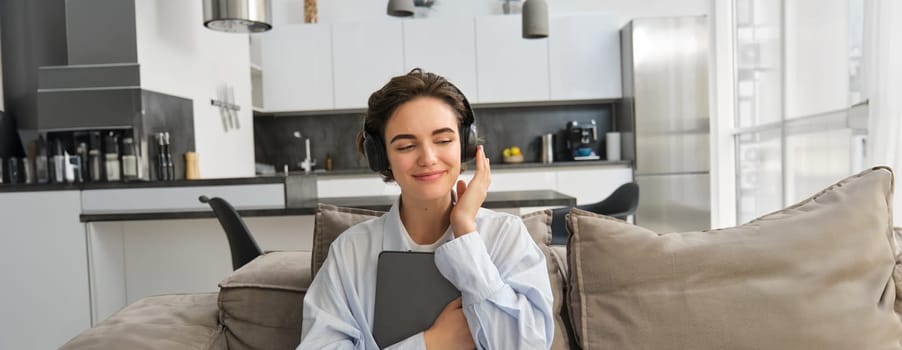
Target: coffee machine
<point>581,138</point>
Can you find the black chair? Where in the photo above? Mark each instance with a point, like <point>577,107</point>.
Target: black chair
<point>241,244</point>
<point>620,204</point>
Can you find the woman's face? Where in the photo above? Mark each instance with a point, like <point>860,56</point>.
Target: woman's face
<point>423,147</point>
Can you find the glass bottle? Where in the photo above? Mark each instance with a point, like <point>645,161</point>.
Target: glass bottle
<point>112,157</point>
<point>129,159</point>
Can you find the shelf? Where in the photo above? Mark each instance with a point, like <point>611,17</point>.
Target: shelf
<point>476,106</point>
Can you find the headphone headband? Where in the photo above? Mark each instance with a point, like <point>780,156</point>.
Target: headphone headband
<point>374,145</point>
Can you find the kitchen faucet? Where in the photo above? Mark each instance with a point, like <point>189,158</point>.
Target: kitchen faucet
<point>308,163</point>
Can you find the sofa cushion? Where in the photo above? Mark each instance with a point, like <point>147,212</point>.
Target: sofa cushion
<point>539,226</point>
<point>261,303</point>
<point>331,221</point>
<point>177,322</point>
<point>816,275</point>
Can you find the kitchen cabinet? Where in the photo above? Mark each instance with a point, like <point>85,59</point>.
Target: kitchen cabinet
<point>297,68</point>
<point>45,276</point>
<point>584,56</point>
<point>322,67</point>
<point>445,47</point>
<point>509,68</point>
<point>365,56</point>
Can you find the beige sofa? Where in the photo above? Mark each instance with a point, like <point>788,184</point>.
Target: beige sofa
<point>821,274</point>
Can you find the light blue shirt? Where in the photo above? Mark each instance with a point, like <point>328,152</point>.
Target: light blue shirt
<point>501,273</point>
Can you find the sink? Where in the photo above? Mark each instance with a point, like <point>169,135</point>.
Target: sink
<point>300,191</point>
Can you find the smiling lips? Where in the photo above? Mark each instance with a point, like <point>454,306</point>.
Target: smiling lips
<point>429,176</point>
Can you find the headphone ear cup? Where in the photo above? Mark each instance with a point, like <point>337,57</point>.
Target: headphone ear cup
<point>375,153</point>
<point>468,143</point>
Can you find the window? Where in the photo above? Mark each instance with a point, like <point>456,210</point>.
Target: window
<point>799,121</point>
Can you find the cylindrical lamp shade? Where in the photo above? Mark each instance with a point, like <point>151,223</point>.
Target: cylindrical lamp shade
<point>400,8</point>
<point>535,19</point>
<point>237,16</point>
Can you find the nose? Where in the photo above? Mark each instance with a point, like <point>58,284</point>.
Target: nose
<point>428,155</point>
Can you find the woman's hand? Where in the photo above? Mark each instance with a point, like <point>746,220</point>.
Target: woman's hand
<point>450,330</point>
<point>470,197</point>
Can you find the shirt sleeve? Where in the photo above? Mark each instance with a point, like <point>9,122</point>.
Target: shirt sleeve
<point>506,293</point>
<point>328,322</point>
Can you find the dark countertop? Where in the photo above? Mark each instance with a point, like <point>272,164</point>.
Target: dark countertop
<point>269,179</point>
<point>512,199</point>
<point>142,184</point>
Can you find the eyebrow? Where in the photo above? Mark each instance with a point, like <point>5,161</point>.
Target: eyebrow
<point>409,136</point>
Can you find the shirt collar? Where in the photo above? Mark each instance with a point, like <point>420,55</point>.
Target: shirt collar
<point>393,231</point>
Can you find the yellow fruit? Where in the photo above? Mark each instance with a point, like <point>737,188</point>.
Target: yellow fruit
<point>506,152</point>
<point>515,151</point>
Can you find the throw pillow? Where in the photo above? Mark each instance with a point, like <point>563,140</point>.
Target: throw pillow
<point>260,304</point>
<point>816,275</point>
<point>329,222</point>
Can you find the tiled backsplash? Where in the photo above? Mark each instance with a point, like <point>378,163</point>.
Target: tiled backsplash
<point>499,127</point>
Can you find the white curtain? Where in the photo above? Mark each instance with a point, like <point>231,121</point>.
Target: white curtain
<point>883,87</point>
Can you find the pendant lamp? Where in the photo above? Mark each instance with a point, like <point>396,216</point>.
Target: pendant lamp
<point>238,16</point>
<point>535,19</point>
<point>400,8</point>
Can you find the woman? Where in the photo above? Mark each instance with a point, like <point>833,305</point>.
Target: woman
<point>415,132</point>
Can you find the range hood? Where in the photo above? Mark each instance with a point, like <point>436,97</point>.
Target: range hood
<point>237,16</point>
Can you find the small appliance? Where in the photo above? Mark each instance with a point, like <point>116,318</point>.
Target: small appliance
<point>581,138</point>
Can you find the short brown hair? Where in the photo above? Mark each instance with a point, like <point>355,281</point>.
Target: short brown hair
<point>399,90</point>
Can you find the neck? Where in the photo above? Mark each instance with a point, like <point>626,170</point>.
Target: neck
<point>425,220</point>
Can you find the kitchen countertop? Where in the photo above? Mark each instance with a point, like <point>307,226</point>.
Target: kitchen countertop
<point>511,199</point>
<point>268,179</point>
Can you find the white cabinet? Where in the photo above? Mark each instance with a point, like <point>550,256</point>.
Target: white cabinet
<point>445,47</point>
<point>297,68</point>
<point>584,56</point>
<point>321,67</point>
<point>365,56</point>
<point>509,68</point>
<point>45,274</point>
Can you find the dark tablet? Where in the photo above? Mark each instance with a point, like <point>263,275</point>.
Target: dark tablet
<point>410,294</point>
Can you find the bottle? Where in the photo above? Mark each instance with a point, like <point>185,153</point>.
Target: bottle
<point>164,158</point>
<point>191,169</point>
<point>27,170</point>
<point>73,168</point>
<point>328,162</point>
<point>41,173</point>
<point>81,152</point>
<point>162,174</point>
<point>129,159</point>
<point>12,164</point>
<point>112,157</point>
<point>94,163</point>
<point>167,158</point>
<point>59,162</point>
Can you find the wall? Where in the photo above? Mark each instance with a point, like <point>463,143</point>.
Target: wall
<point>179,56</point>
<point>330,11</point>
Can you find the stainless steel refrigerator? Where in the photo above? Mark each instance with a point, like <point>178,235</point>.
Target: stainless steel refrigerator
<point>664,118</point>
